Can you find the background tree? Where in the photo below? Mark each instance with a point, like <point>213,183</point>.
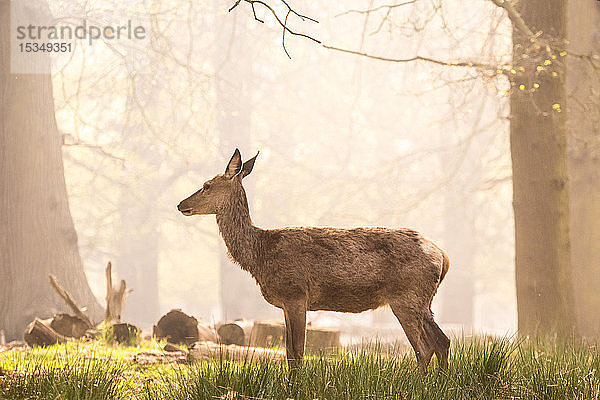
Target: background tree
<point>540,178</point>
<point>37,236</point>
<point>583,148</point>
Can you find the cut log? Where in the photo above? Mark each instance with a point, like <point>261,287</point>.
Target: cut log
<point>236,332</point>
<point>70,301</point>
<point>322,339</point>
<point>178,327</point>
<point>272,334</point>
<point>39,333</point>
<point>69,325</point>
<point>210,350</point>
<point>124,333</point>
<point>267,334</point>
<point>115,298</point>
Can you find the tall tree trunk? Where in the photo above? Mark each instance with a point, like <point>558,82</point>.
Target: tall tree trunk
<point>37,235</point>
<point>583,124</point>
<point>540,187</point>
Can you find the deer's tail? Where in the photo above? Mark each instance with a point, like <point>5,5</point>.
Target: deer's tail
<point>445,266</point>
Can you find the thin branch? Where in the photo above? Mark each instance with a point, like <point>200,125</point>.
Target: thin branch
<point>96,147</point>
<point>258,19</point>
<point>282,23</point>
<point>70,301</point>
<point>515,17</point>
<point>417,58</point>
<point>283,35</point>
<point>375,9</point>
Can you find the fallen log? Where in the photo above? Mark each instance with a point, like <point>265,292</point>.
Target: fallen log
<point>272,334</point>
<point>178,327</point>
<point>39,333</point>
<point>322,339</point>
<point>236,332</point>
<point>267,334</point>
<point>69,325</point>
<point>213,351</point>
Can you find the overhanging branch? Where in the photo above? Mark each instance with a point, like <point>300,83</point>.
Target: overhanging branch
<point>515,17</point>
<point>468,64</point>
<point>281,21</point>
<point>375,9</point>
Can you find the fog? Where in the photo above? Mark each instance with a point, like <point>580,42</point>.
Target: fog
<point>345,141</point>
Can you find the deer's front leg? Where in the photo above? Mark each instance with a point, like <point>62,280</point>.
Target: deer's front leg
<point>295,327</point>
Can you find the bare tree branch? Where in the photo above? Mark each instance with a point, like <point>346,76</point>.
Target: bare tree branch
<point>100,149</point>
<point>469,64</point>
<point>515,17</point>
<point>282,23</point>
<point>375,9</point>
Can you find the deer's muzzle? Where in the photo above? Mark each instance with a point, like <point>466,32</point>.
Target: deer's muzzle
<point>185,210</point>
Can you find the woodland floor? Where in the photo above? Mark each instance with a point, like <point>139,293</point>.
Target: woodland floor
<point>480,368</point>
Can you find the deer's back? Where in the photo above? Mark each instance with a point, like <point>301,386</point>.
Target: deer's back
<point>349,270</point>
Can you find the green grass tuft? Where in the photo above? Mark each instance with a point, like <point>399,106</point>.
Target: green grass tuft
<point>480,368</point>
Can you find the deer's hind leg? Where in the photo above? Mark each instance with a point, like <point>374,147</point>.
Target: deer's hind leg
<point>440,340</point>
<point>412,321</point>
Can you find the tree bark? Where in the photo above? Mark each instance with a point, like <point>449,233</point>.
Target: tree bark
<point>540,186</point>
<point>583,126</point>
<point>37,237</point>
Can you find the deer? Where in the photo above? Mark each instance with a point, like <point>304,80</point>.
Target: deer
<point>301,269</point>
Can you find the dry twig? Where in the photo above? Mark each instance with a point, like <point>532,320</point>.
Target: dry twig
<point>283,23</point>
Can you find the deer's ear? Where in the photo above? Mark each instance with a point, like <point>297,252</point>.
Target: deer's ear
<point>234,166</point>
<point>247,167</point>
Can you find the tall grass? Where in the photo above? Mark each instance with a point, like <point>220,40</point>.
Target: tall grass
<point>45,377</point>
<point>480,368</point>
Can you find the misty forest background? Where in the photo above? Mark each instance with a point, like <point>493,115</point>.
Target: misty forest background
<point>492,131</point>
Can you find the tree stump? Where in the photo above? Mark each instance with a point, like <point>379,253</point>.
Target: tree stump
<point>39,333</point>
<point>270,334</point>
<point>178,327</point>
<point>237,332</point>
<point>69,325</point>
<point>267,334</point>
<point>115,298</point>
<point>322,339</point>
<point>124,333</point>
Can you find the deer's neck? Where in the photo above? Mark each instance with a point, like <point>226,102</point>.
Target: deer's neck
<point>240,236</point>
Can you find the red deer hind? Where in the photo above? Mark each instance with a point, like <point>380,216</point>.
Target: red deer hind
<point>347,270</point>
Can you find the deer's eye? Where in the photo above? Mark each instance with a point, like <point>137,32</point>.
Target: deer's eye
<point>206,186</point>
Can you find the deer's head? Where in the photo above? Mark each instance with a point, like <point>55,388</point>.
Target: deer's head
<point>218,191</point>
